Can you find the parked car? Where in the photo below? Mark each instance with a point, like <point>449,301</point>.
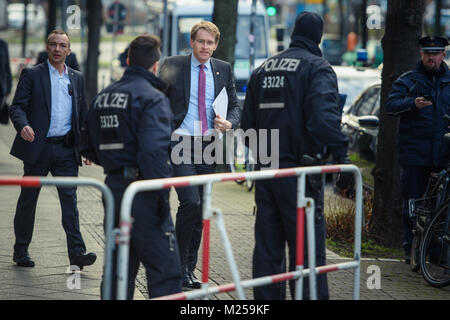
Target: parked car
<point>352,81</point>
<point>360,123</point>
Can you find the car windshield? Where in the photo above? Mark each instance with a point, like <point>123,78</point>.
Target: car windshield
<point>242,49</point>
<point>353,87</point>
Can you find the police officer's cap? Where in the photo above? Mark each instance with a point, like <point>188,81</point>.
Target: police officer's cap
<point>433,44</point>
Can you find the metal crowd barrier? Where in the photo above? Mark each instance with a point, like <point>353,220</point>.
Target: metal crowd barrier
<point>303,204</point>
<point>36,182</point>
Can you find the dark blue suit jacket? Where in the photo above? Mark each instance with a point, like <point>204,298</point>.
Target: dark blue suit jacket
<point>176,72</point>
<point>32,106</point>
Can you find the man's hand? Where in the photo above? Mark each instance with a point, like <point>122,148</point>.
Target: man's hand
<point>221,124</point>
<point>27,134</point>
<point>422,102</point>
<point>87,162</point>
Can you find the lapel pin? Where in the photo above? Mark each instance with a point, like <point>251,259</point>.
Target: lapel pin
<point>217,72</point>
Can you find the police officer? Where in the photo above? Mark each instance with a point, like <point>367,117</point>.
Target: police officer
<point>420,98</point>
<point>128,133</point>
<point>296,93</point>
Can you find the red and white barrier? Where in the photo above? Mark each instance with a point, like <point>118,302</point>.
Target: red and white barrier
<point>37,182</point>
<point>303,205</point>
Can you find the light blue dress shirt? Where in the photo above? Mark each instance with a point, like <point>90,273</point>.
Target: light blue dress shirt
<point>191,122</point>
<point>61,103</point>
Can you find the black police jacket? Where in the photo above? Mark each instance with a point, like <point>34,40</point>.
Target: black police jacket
<point>421,131</point>
<point>129,124</point>
<point>296,92</point>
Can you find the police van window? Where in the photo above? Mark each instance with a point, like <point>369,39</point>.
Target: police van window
<point>184,32</point>
<point>242,50</point>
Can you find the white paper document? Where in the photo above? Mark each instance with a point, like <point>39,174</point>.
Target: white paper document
<point>220,105</point>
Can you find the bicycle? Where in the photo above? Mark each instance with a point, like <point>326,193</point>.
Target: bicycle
<point>430,251</point>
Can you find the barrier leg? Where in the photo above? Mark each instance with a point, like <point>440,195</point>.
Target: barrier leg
<point>205,252</point>
<point>123,256</point>
<point>207,191</point>
<point>358,227</point>
<point>110,236</point>
<point>109,217</point>
<point>229,253</point>
<point>300,245</point>
<point>311,247</point>
<point>299,252</point>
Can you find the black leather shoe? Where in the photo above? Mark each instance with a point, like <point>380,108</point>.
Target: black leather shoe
<point>194,281</point>
<point>187,283</point>
<point>23,260</point>
<point>83,260</point>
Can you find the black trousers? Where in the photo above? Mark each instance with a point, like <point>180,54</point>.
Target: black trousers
<point>152,242</point>
<point>60,161</point>
<point>189,221</point>
<point>276,220</point>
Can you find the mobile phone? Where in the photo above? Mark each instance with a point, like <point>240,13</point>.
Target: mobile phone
<point>428,97</point>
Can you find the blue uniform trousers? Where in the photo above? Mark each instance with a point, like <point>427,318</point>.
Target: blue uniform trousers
<point>152,242</point>
<point>276,217</point>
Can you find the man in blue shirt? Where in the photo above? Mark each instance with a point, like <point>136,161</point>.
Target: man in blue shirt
<point>47,110</point>
<point>194,81</point>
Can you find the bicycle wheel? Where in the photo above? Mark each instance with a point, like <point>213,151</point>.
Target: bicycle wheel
<point>415,253</point>
<point>434,250</point>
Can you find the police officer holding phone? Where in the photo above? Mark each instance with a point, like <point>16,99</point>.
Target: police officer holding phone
<point>296,93</point>
<point>420,98</point>
<point>128,133</point>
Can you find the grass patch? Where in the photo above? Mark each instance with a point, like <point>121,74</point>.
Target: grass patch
<point>369,249</point>
<point>340,218</point>
<point>365,168</point>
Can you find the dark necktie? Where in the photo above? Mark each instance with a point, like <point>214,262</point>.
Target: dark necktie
<point>201,99</point>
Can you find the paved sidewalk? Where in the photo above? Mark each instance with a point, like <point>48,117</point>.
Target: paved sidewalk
<point>49,278</point>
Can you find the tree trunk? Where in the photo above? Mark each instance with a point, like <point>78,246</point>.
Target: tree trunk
<point>437,18</point>
<point>225,18</point>
<point>342,24</point>
<point>94,21</point>
<point>363,24</point>
<point>401,54</point>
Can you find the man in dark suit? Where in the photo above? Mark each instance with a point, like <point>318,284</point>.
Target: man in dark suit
<point>47,110</point>
<point>194,81</point>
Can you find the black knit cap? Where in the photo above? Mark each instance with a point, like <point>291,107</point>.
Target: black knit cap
<point>308,25</point>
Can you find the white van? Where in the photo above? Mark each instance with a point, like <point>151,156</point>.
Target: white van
<point>185,13</point>
<point>35,16</point>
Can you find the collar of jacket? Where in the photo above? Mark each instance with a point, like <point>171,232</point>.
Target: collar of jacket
<point>442,69</point>
<point>305,43</point>
<point>147,75</point>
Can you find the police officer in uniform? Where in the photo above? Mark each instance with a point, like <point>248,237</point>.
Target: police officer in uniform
<point>420,98</point>
<point>128,133</point>
<point>296,93</point>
